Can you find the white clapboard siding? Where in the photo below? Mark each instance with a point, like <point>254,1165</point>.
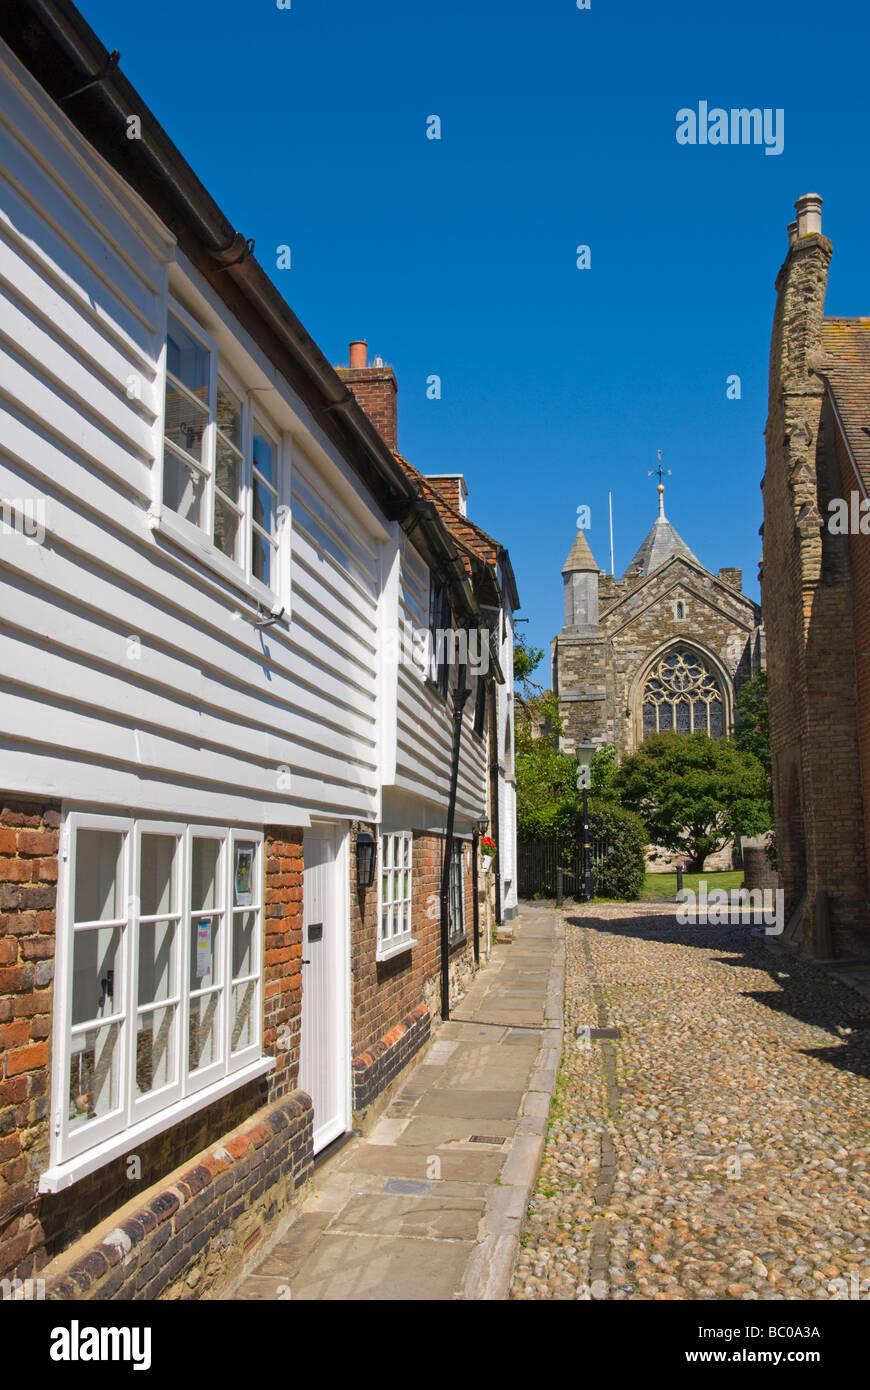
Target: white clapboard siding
<point>131,673</point>
<point>424,732</point>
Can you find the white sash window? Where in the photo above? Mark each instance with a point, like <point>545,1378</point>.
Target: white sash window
<point>158,994</point>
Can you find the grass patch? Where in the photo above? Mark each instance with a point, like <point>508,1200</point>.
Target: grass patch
<point>664,886</point>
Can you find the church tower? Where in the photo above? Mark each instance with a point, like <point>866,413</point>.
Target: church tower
<point>580,663</point>
<point>664,648</point>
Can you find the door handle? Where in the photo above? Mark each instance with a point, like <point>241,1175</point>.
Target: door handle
<point>306,962</point>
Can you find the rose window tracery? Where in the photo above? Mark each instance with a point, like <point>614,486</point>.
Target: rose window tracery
<point>682,696</point>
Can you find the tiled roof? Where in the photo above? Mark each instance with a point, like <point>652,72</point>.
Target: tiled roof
<point>846,344</point>
<point>661,543</point>
<point>469,536</point>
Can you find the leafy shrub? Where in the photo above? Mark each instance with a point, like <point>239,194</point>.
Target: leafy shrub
<point>622,873</point>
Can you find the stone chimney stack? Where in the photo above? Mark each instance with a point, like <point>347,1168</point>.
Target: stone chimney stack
<point>376,389</point>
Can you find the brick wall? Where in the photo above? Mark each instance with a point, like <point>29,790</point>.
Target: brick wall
<point>36,1230</point>
<point>376,389</point>
<point>807,607</point>
<point>386,994</point>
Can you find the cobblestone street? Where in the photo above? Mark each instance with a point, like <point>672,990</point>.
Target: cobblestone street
<point>716,1146</point>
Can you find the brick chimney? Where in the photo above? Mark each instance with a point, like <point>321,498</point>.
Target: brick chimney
<point>376,390</point>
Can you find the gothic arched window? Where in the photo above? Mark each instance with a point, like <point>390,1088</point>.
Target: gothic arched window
<point>682,696</point>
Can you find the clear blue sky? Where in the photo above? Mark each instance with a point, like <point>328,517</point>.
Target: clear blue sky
<point>457,257</point>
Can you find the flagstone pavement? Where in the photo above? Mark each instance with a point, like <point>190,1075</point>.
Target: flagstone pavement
<point>429,1204</point>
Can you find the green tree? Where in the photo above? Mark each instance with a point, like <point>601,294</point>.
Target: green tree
<point>545,776</point>
<point>526,660</point>
<point>752,734</point>
<point>694,793</point>
<point>603,769</point>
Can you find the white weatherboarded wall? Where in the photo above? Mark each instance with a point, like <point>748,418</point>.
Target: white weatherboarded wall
<point>131,674</point>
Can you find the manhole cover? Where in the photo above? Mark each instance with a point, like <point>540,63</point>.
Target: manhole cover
<point>486,1139</point>
<point>597,1033</point>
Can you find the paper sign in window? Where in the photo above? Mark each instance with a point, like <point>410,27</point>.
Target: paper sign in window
<point>243,878</point>
<point>203,947</point>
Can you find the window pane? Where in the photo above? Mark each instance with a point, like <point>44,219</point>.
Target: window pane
<point>157,875</point>
<point>264,457</point>
<point>205,941</point>
<point>156,961</point>
<point>203,1037</point>
<point>226,528</point>
<point>227,470</point>
<point>385,923</point>
<point>666,717</point>
<point>700,719</point>
<point>183,489</point>
<point>244,1015</point>
<point>264,506</point>
<point>717,719</point>
<point>99,876</point>
<point>97,991</point>
<point>244,943</point>
<point>229,413</point>
<point>155,1050</point>
<point>683,717</point>
<point>187,358</point>
<point>649,719</point>
<point>94,1075</point>
<point>261,560</point>
<point>205,890</point>
<point>185,423</point>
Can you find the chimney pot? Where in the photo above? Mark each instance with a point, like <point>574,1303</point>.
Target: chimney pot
<point>809,215</point>
<point>358,351</point>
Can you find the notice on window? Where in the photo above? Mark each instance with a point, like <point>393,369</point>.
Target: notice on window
<point>203,947</point>
<point>243,881</point>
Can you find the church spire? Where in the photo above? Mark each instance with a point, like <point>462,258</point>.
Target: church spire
<point>661,487</point>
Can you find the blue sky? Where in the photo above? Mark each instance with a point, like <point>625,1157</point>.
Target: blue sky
<point>458,257</point>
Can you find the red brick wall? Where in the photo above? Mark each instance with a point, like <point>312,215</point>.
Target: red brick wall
<point>34,1229</point>
<point>859,558</point>
<point>386,992</point>
<point>282,904</point>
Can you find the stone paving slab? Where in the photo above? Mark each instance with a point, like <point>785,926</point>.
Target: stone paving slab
<point>418,1209</point>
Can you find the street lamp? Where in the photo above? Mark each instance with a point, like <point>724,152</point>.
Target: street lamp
<point>585,751</point>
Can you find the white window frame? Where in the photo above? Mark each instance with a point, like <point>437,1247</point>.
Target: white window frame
<point>200,540</point>
<point>392,945</point>
<point>138,1118</point>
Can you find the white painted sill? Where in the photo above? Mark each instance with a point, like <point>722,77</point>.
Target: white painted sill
<point>396,949</point>
<point>164,524</point>
<point>63,1175</point>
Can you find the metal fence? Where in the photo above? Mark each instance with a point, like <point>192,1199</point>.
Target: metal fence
<point>537,861</point>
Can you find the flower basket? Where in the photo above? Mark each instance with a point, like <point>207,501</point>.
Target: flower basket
<point>487,853</point>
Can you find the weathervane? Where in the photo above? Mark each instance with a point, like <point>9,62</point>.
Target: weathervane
<point>661,487</point>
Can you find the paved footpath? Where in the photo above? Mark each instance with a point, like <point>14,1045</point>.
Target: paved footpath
<point>717,1146</point>
<point>430,1204</point>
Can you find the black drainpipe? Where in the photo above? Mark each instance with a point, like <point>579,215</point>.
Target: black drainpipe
<point>496,824</point>
<point>460,695</point>
<point>475,841</point>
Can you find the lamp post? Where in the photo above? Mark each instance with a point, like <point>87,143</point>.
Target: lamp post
<point>585,751</point>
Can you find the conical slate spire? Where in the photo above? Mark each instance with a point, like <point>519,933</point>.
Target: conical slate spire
<point>660,545</point>
<point>580,557</point>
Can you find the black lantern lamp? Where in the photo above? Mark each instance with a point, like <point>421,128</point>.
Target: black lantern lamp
<point>366,855</point>
<point>482,825</point>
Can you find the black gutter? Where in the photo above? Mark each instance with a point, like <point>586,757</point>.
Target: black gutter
<point>475,843</point>
<point>493,793</point>
<point>460,695</point>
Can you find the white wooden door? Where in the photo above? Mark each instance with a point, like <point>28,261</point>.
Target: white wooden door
<point>324,1069</point>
